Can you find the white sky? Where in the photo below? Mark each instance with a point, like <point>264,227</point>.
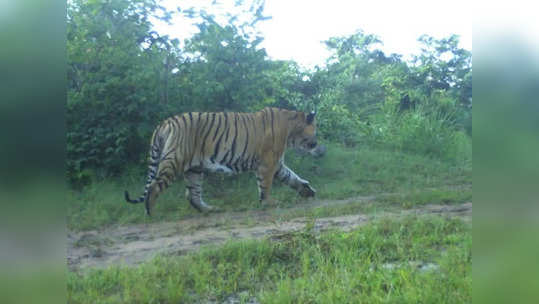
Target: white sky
<point>298,27</point>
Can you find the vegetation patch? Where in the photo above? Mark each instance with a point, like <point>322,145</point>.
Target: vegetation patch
<point>411,260</point>
<point>344,172</point>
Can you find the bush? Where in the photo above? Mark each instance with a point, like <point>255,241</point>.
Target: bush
<point>336,122</point>
<point>425,130</point>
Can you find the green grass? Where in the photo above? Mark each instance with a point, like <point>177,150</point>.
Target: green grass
<point>391,202</point>
<point>377,263</point>
<point>342,173</point>
<point>420,198</point>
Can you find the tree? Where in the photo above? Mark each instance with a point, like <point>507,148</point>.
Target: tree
<point>228,70</point>
<point>115,65</point>
<point>442,65</point>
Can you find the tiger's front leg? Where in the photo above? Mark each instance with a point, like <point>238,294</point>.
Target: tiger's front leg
<point>287,176</point>
<point>264,179</point>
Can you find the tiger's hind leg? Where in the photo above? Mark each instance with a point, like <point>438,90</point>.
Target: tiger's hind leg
<point>193,190</point>
<point>166,174</point>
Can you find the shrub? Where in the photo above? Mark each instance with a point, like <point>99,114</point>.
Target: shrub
<point>336,122</point>
<point>426,130</point>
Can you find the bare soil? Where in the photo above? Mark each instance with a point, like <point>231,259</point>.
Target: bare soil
<point>133,244</point>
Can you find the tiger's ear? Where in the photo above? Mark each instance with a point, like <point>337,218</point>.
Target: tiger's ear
<point>310,117</point>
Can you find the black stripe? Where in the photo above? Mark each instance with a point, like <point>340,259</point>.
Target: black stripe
<point>182,138</point>
<point>175,118</point>
<point>173,164</point>
<point>272,131</point>
<point>246,139</point>
<point>184,143</point>
<point>216,151</point>
<point>224,157</point>
<point>197,138</point>
<point>201,129</point>
<point>235,165</point>
<point>226,127</point>
<point>264,122</point>
<point>185,147</point>
<point>218,127</point>
<point>184,121</point>
<point>207,133</point>
<point>164,157</point>
<point>253,124</point>
<point>233,149</point>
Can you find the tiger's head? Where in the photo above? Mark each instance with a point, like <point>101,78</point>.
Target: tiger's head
<point>303,135</point>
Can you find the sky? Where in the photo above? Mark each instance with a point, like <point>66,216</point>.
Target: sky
<point>298,27</point>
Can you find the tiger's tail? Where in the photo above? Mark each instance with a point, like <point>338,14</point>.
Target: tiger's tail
<point>155,155</point>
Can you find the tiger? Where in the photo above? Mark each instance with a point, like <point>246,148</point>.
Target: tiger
<point>194,143</point>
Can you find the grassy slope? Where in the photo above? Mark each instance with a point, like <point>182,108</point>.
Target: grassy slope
<point>374,264</point>
<point>343,173</point>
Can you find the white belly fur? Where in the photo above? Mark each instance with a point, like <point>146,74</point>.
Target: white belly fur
<point>215,167</point>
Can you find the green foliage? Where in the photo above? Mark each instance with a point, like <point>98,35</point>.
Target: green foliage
<point>113,89</point>
<point>442,65</point>
<point>366,96</point>
<point>424,131</point>
<point>337,122</point>
<point>123,78</point>
<point>229,70</point>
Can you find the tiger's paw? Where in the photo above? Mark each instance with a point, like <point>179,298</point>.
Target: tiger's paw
<point>307,191</point>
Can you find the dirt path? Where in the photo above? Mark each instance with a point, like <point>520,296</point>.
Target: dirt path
<point>137,243</point>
